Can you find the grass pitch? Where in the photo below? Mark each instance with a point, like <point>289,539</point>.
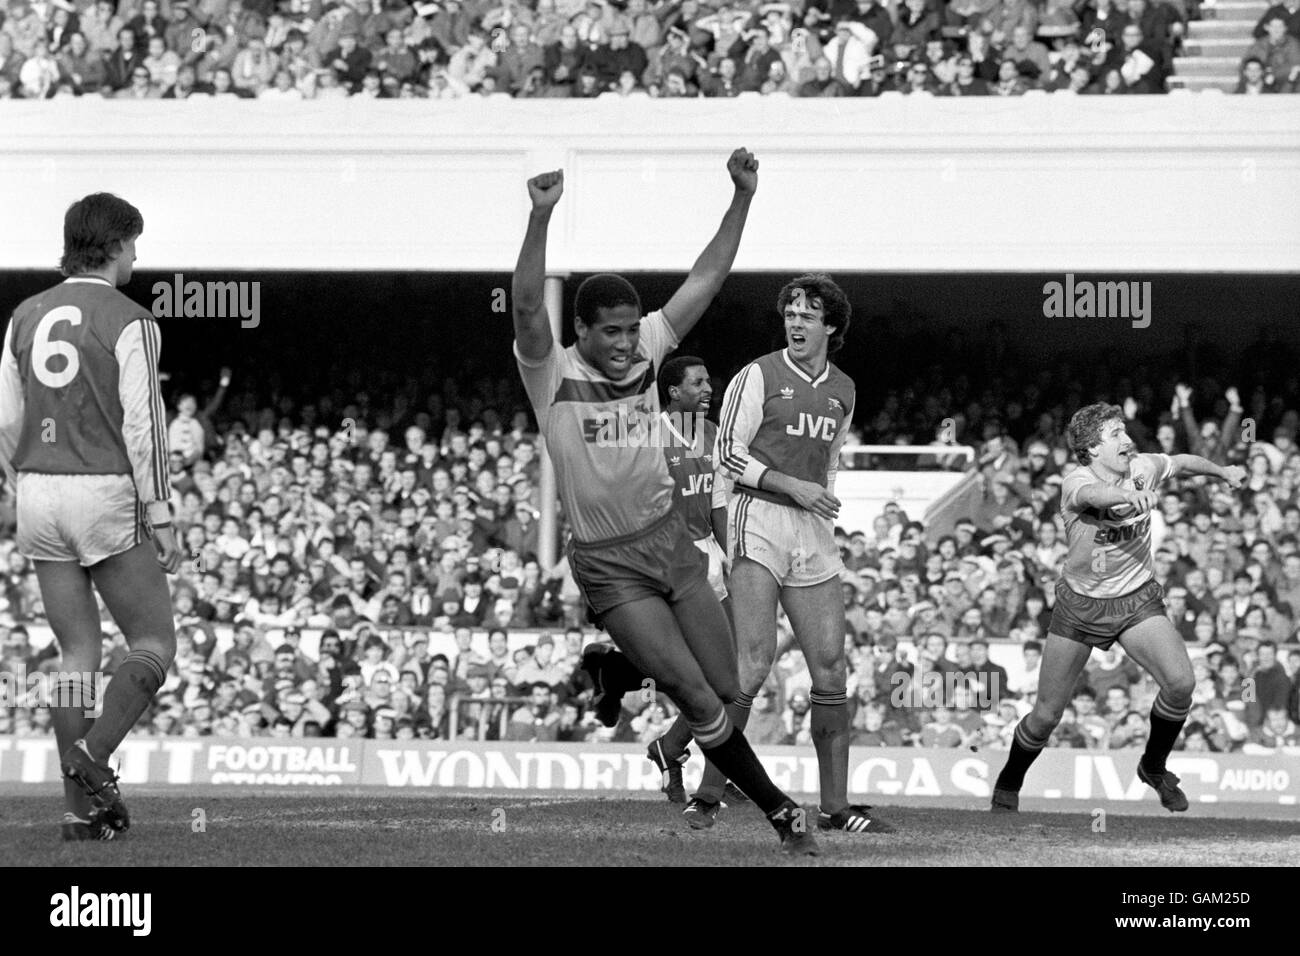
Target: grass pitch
<point>378,828</point>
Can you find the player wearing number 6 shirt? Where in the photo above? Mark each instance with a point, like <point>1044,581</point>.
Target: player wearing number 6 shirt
<point>83,440</point>
<point>784,419</point>
<point>1107,592</point>
<point>631,554</point>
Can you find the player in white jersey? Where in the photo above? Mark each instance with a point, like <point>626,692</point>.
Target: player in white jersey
<point>83,439</point>
<point>1107,592</point>
<point>631,555</point>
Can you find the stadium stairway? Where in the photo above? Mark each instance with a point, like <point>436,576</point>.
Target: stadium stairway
<point>1215,45</point>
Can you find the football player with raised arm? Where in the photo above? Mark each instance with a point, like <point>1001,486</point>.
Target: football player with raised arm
<point>1107,592</point>
<point>631,554</point>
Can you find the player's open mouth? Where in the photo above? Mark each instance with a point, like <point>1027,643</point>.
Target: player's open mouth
<point>796,340</point>
<point>619,361</point>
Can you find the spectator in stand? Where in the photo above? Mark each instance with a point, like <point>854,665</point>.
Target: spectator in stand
<point>120,64</point>
<point>40,72</point>
<point>723,82</point>
<point>918,23</point>
<point>760,57</point>
<point>24,25</point>
<point>1288,10</point>
<point>537,720</point>
<point>101,26</point>
<point>141,87</point>
<point>516,59</point>
<point>1141,65</point>
<point>1279,52</point>
<point>1023,48</point>
<point>823,82</point>
<point>875,19</point>
<point>1159,22</point>
<point>162,64</point>
<point>81,66</point>
<point>146,25</point>
<point>183,28</point>
<point>350,61</point>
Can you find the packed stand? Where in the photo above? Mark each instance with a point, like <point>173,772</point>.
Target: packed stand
<point>419,516</point>
<point>448,49</point>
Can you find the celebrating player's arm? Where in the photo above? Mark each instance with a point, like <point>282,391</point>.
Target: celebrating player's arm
<point>528,285</point>
<point>1194,465</point>
<point>713,265</point>
<point>144,435</point>
<point>1100,495</point>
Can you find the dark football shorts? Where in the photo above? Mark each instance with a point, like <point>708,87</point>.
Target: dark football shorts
<point>1098,622</point>
<point>659,561</point>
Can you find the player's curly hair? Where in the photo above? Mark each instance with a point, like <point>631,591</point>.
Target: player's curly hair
<point>836,310</point>
<point>94,229</point>
<point>673,374</point>
<point>1085,427</point>
<point>603,291</point>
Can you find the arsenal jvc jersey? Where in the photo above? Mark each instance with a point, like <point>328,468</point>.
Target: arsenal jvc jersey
<point>79,390</point>
<point>775,416</point>
<point>690,462</point>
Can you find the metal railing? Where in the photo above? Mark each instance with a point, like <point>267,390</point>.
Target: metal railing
<point>942,455</point>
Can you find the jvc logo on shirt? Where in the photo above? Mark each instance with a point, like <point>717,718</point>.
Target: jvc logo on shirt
<point>77,909</point>
<point>699,484</point>
<point>814,427</point>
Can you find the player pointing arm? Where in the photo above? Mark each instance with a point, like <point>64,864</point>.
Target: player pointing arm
<point>1108,592</point>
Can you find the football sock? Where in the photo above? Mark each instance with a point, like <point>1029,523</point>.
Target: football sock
<point>1167,721</point>
<point>714,781</point>
<point>736,760</point>
<point>830,733</point>
<point>1025,748</point>
<point>74,699</point>
<point>129,694</point>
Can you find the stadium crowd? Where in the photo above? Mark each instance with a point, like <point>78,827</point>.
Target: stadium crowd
<point>419,515</point>
<point>442,49</point>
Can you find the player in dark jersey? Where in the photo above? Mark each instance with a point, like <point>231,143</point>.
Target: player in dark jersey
<point>1107,592</point>
<point>630,553</point>
<point>688,439</point>
<point>785,417</point>
<point>83,439</point>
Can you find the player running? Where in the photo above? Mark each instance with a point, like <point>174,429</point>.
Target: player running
<point>630,553</point>
<point>1108,592</point>
<point>785,417</point>
<point>83,440</point>
<point>688,440</point>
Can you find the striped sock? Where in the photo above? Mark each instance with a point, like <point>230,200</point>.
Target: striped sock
<point>830,733</point>
<point>733,756</point>
<point>74,698</point>
<point>132,689</point>
<point>714,782</point>
<point>1167,719</point>
<point>1025,748</point>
